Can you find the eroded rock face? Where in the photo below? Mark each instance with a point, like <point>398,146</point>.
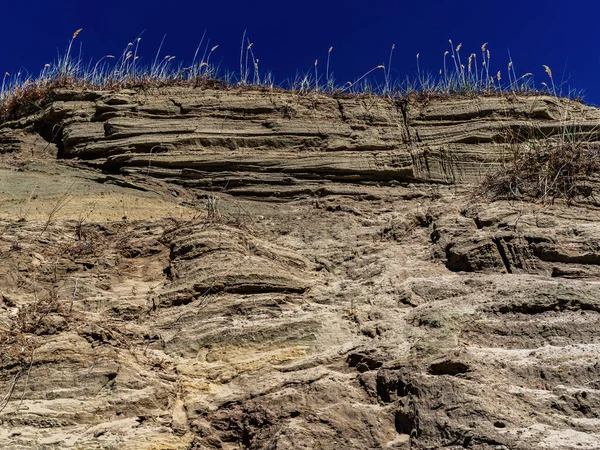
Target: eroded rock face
<point>243,269</point>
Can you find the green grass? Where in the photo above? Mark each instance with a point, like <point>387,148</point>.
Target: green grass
<point>468,75</point>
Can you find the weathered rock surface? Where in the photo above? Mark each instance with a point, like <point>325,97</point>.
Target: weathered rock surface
<point>222,269</point>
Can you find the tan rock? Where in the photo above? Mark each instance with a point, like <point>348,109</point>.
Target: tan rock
<point>235,268</point>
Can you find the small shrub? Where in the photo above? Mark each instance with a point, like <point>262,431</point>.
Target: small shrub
<point>546,171</point>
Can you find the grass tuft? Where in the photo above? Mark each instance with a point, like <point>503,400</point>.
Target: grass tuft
<point>546,171</point>
<point>21,95</point>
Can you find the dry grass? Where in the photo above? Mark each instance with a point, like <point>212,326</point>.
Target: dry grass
<point>34,95</point>
<point>546,171</point>
<point>472,76</point>
<point>18,342</point>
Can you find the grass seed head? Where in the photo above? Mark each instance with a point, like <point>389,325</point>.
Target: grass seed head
<point>70,70</point>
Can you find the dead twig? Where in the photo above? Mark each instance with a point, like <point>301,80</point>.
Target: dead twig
<point>74,294</point>
<point>26,379</point>
<point>60,204</point>
<point>7,397</point>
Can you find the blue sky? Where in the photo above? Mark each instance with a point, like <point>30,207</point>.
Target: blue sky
<point>289,36</point>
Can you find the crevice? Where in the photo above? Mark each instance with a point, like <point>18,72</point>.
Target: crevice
<point>53,134</point>
<point>502,253</point>
<point>556,305</point>
<point>363,362</point>
<point>448,367</point>
<point>478,223</point>
<point>406,421</point>
<point>341,109</point>
<point>178,105</point>
<point>402,105</point>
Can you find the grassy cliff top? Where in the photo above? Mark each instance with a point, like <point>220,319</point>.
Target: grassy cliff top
<point>461,75</point>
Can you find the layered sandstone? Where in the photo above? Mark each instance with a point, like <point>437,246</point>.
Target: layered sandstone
<point>195,268</point>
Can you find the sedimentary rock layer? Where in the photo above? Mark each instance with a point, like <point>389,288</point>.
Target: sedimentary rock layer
<point>220,269</point>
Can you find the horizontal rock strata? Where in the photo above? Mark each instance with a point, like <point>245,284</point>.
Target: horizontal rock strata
<point>221,269</point>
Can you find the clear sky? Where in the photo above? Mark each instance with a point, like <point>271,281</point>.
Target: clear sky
<point>288,36</point>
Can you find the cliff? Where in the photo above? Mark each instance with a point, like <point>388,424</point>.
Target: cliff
<point>233,268</point>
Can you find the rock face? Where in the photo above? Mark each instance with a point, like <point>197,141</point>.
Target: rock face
<point>220,269</point>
